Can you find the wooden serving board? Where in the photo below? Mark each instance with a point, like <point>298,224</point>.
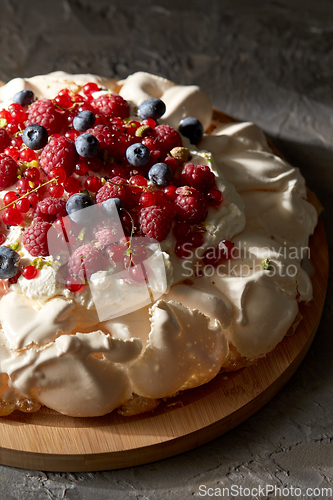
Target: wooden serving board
<point>49,441</point>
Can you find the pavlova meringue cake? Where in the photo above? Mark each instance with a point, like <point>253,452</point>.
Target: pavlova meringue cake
<point>189,265</point>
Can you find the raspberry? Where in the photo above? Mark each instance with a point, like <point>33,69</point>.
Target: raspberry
<point>106,234</point>
<point>4,139</point>
<point>191,205</point>
<point>59,152</point>
<point>155,223</point>
<point>44,112</point>
<point>8,171</point>
<point>122,192</point>
<point>49,209</point>
<point>167,138</point>
<point>198,176</point>
<point>35,239</point>
<point>106,135</point>
<point>111,105</point>
<point>85,261</point>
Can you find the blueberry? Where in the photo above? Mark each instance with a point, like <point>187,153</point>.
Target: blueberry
<point>84,120</point>
<point>137,154</point>
<point>152,108</point>
<point>87,145</point>
<point>160,174</point>
<point>9,262</point>
<point>109,205</point>
<point>191,128</point>
<point>77,202</point>
<point>35,136</point>
<point>25,97</point>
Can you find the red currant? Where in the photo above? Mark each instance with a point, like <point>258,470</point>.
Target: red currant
<point>90,88</point>
<point>81,168</point>
<point>93,184</point>
<point>12,127</point>
<point>72,185</point>
<point>27,155</point>
<point>5,115</point>
<point>115,253</point>
<point>74,285</point>
<point>12,217</point>
<point>13,152</point>
<point>138,180</point>
<point>17,141</point>
<point>94,164</point>
<point>171,162</point>
<point>63,101</point>
<point>137,274</point>
<point>23,205</point>
<point>150,122</point>
<point>9,197</point>
<point>226,247</point>
<point>29,272</point>
<point>2,238</point>
<point>32,173</point>
<point>22,185</point>
<point>56,190</point>
<point>72,134</point>
<point>58,173</point>
<point>214,197</point>
<point>33,199</point>
<point>196,239</point>
<point>211,257</point>
<point>170,192</point>
<point>183,249</point>
<point>147,199</point>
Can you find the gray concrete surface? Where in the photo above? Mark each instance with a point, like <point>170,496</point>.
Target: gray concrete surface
<point>270,62</point>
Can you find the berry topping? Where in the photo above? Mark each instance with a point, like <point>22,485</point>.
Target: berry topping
<point>117,187</point>
<point>191,205</point>
<point>77,202</point>
<point>111,105</point>
<point>9,262</point>
<point>137,154</point>
<point>24,97</point>
<point>84,120</point>
<point>198,176</point>
<point>152,108</point>
<point>8,171</point>
<point>191,128</point>
<point>85,261</point>
<point>87,145</point>
<point>35,239</point>
<point>35,136</point>
<point>4,139</point>
<point>49,209</point>
<point>160,174</point>
<point>59,152</point>
<point>155,223</point>
<point>44,112</point>
<point>30,272</point>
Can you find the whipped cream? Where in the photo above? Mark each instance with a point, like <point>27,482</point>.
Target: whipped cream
<point>53,346</point>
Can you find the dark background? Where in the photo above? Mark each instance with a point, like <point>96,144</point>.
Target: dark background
<point>270,62</point>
